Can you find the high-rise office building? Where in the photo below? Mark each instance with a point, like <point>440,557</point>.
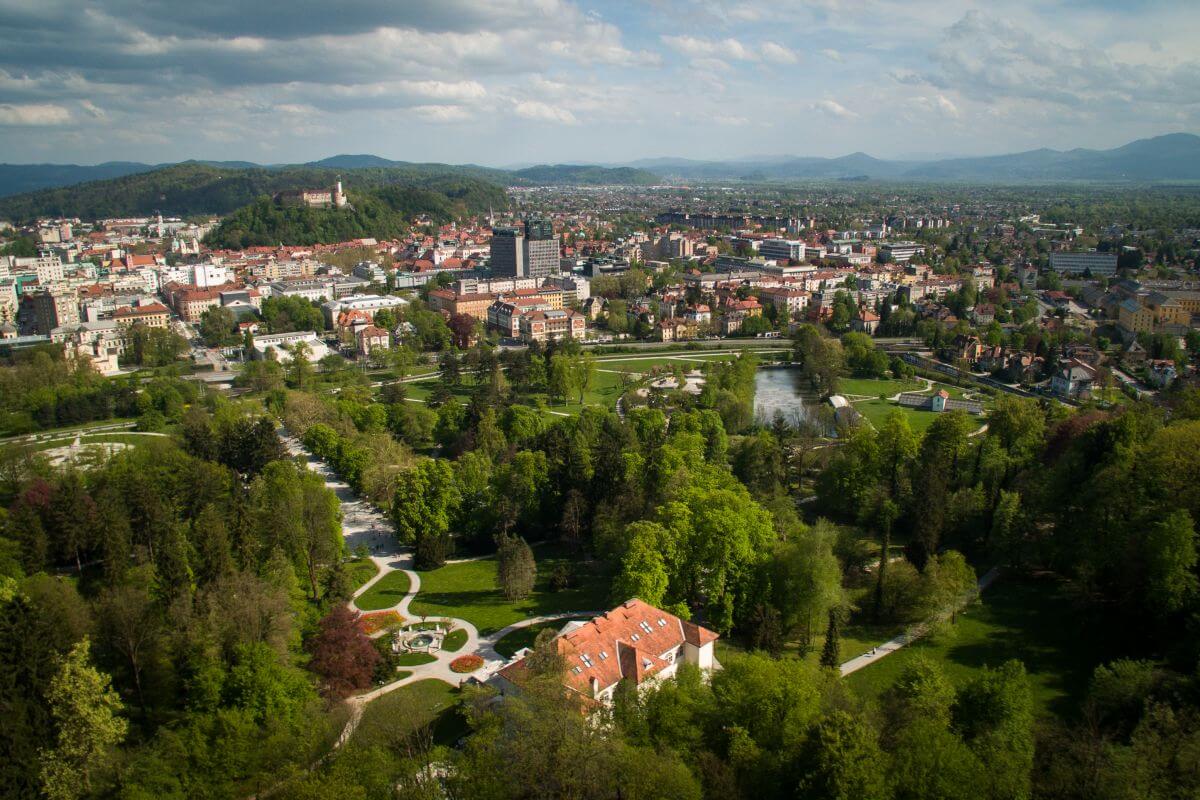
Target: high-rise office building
<point>541,249</point>
<point>528,252</point>
<point>508,252</point>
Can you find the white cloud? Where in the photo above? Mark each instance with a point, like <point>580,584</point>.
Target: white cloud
<point>947,107</point>
<point>734,121</point>
<point>833,109</point>
<point>33,114</point>
<point>777,53</point>
<point>443,90</point>
<point>710,48</point>
<point>542,112</point>
<point>832,55</point>
<point>444,114</point>
<point>93,110</point>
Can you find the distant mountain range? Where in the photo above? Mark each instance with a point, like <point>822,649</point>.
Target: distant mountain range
<point>1172,157</point>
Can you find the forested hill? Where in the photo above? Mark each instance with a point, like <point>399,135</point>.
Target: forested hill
<point>383,213</point>
<point>194,188</point>
<point>199,188</point>
<point>584,175</point>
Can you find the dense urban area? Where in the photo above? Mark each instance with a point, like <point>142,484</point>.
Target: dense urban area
<point>351,481</point>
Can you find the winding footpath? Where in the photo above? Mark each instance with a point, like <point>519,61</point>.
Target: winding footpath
<point>363,524</point>
<point>903,640</point>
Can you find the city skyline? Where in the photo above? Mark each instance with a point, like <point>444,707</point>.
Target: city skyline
<point>557,81</point>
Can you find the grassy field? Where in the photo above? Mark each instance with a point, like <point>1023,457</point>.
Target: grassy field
<point>642,365</point>
<point>414,659</point>
<point>1029,619</point>
<point>361,570</point>
<point>525,637</point>
<point>873,387</point>
<point>857,638</point>
<point>389,591</point>
<point>400,712</point>
<point>876,411</point>
<point>468,590</point>
<point>69,429</point>
<point>454,640</point>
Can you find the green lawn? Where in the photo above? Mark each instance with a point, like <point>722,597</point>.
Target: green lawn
<point>525,637</point>
<point>454,640</point>
<point>647,364</point>
<point>857,638</point>
<point>399,712</point>
<point>873,387</point>
<point>69,429</point>
<point>389,591</point>
<point>361,570</point>
<point>1030,619</point>
<point>131,439</point>
<point>468,590</point>
<point>414,659</point>
<point>876,411</point>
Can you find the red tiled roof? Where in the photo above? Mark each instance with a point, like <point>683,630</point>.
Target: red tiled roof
<point>627,642</point>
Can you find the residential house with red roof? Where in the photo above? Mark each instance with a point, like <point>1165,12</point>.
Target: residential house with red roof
<point>635,642</point>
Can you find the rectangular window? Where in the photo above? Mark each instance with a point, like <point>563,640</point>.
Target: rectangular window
<point>644,626</point>
<point>635,637</point>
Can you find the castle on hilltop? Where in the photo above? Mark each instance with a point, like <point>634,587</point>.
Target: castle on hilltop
<point>332,197</point>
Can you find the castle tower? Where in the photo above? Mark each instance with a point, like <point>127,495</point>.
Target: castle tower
<point>339,197</point>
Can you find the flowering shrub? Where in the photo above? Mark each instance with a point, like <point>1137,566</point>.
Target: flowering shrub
<point>466,664</point>
<point>380,620</point>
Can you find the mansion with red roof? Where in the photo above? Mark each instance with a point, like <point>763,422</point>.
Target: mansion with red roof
<point>635,642</point>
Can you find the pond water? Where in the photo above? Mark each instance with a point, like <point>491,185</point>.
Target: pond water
<point>782,390</point>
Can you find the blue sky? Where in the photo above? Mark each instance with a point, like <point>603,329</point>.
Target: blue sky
<point>525,81</point>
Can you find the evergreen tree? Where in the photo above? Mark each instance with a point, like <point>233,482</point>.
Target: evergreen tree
<point>517,569</point>
<point>831,653</point>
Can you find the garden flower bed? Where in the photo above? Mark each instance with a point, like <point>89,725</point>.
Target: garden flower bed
<point>465,664</point>
<point>380,621</point>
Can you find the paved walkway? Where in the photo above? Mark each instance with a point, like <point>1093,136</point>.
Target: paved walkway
<point>363,524</point>
<point>904,639</point>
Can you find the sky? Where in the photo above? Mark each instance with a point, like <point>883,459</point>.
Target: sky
<point>504,82</point>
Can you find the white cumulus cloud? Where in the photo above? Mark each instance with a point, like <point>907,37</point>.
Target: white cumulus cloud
<point>33,114</point>
<point>834,109</point>
<point>543,112</point>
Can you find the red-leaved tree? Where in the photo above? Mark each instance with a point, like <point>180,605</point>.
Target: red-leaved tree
<point>342,654</point>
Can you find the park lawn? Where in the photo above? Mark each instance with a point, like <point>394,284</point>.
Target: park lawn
<point>454,640</point>
<point>389,591</point>
<point>525,637</point>
<point>468,590</point>
<point>400,711</point>
<point>857,638</point>
<point>1033,620</point>
<point>131,439</point>
<point>361,570</point>
<point>873,387</point>
<point>66,430</point>
<point>876,411</point>
<point>414,659</point>
<point>641,365</point>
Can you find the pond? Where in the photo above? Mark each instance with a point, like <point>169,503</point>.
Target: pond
<point>781,389</point>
